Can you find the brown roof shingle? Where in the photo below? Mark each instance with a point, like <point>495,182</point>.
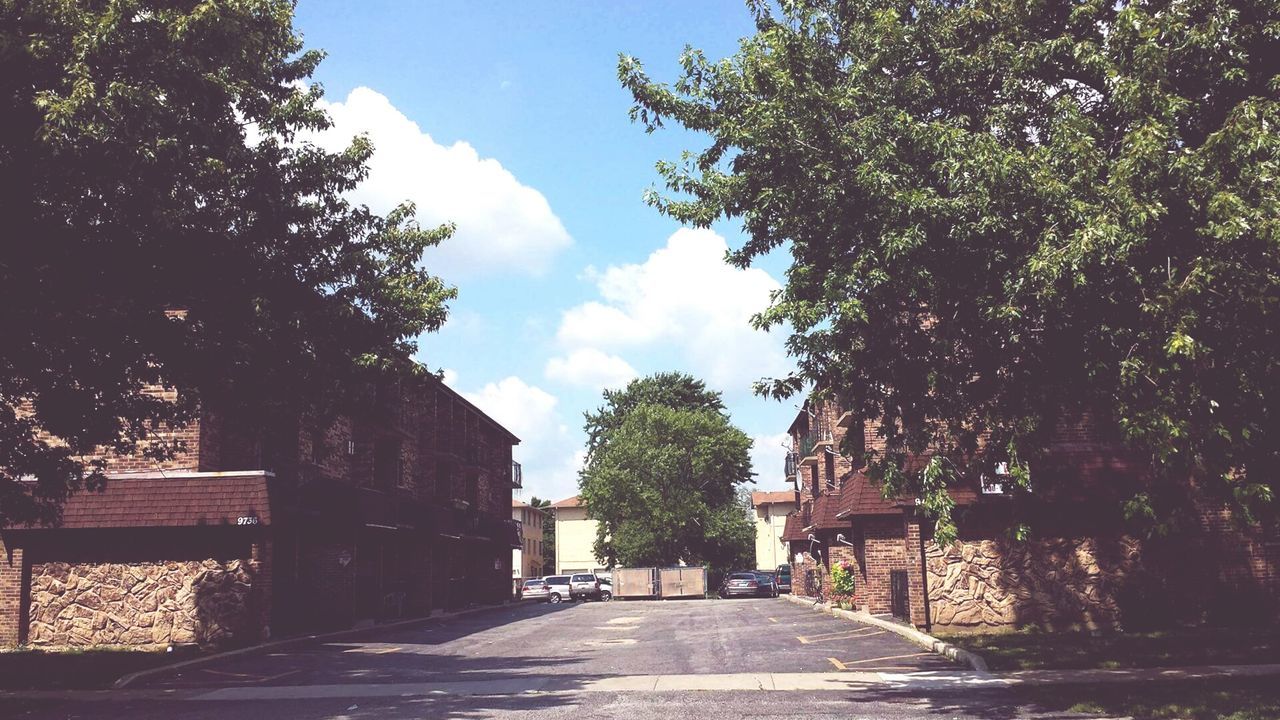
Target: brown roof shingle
<point>175,500</point>
<point>793,530</point>
<point>824,513</point>
<point>859,496</point>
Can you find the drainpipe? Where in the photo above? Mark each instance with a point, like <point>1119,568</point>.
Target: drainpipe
<point>924,578</point>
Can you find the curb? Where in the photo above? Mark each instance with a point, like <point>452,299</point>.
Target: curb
<point>924,640</point>
<point>127,680</point>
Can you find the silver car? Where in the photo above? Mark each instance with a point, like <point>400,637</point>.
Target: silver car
<point>587,586</point>
<point>558,589</point>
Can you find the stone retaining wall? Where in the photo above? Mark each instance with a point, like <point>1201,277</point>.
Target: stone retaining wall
<point>1056,584</point>
<point>144,604</point>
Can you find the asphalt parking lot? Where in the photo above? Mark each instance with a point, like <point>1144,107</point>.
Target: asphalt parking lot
<point>580,641</point>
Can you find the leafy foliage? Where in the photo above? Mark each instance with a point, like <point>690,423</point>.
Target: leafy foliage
<point>548,533</point>
<point>842,579</point>
<point>153,158</point>
<point>1004,215</point>
<point>662,477</point>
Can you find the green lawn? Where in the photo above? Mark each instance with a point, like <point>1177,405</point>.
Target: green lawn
<point>1244,699</point>
<point>1168,648</point>
<point>77,669</point>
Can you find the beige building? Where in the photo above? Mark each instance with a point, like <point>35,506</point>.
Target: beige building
<point>575,537</point>
<point>526,561</point>
<point>771,509</point>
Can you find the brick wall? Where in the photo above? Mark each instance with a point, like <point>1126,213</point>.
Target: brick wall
<point>887,542</point>
<point>13,573</point>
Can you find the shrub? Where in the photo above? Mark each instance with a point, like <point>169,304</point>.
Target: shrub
<point>842,579</point>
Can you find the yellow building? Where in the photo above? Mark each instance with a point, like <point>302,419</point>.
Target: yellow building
<point>526,562</point>
<point>575,538</point>
<point>771,509</point>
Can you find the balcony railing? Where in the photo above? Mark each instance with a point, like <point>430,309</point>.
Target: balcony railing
<point>517,475</point>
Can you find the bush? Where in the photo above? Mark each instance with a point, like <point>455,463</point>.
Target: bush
<point>842,580</point>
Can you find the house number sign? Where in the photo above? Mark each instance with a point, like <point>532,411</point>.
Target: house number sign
<point>247,520</point>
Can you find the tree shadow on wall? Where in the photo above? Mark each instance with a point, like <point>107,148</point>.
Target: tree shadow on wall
<point>228,607</point>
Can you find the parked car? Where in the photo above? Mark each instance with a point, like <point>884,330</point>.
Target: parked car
<point>783,576</point>
<point>767,582</point>
<point>558,588</point>
<point>586,586</point>
<point>535,589</point>
<point>744,584</point>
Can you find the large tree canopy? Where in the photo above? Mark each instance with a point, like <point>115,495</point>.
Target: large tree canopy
<point>1003,213</point>
<point>153,158</point>
<point>662,474</point>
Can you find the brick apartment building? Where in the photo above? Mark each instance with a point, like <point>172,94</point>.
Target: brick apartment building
<point>1075,573</point>
<point>394,509</point>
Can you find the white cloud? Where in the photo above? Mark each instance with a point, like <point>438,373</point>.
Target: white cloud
<point>768,459</point>
<point>589,367</point>
<point>449,377</point>
<point>550,454</point>
<point>525,410</point>
<point>503,225</point>
<point>685,296</point>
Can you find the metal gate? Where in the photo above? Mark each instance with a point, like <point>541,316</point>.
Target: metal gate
<point>899,602</point>
<point>635,582</point>
<point>683,582</point>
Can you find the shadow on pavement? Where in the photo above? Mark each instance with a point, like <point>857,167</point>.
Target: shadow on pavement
<point>379,655</point>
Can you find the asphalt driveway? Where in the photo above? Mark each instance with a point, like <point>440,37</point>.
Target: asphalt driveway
<point>580,642</point>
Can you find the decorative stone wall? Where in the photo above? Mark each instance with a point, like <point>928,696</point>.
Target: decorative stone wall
<point>145,604</point>
<point>1056,584</point>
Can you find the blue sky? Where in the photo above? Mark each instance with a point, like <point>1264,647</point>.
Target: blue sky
<point>508,119</point>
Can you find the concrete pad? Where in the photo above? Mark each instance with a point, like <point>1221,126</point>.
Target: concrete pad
<point>735,681</point>
<point>622,683</point>
<point>824,681</point>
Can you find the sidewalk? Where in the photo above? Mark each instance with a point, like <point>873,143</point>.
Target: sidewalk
<point>915,683</point>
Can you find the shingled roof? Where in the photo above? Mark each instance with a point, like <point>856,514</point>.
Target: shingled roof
<point>859,496</point>
<point>824,513</point>
<point>794,528</point>
<point>171,500</point>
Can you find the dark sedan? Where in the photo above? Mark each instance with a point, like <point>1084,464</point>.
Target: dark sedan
<point>746,584</point>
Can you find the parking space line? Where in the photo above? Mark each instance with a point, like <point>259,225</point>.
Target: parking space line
<point>844,635</point>
<point>366,650</point>
<point>229,674</point>
<point>773,620</point>
<point>839,665</point>
<point>886,657</point>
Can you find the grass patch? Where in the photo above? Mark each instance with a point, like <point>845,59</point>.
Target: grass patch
<point>1242,699</point>
<point>79,669</point>
<point>1166,648</point>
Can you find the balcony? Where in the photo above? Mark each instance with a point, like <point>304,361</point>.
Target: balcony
<point>517,475</point>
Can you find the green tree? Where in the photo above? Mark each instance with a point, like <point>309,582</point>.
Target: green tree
<point>1003,215</point>
<point>662,476</point>
<point>153,158</point>
<point>548,533</point>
